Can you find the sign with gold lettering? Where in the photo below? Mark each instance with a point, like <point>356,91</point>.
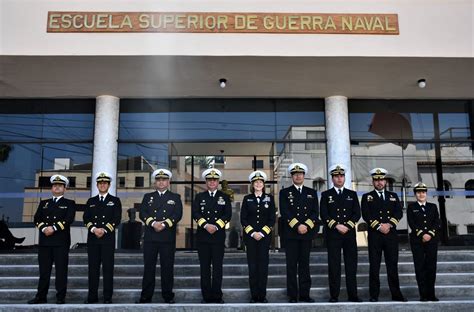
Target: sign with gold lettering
<point>217,22</point>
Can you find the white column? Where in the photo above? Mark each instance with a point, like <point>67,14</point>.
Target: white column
<point>337,135</point>
<point>106,127</point>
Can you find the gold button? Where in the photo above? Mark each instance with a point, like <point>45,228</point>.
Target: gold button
<point>164,210</point>
<point>155,210</point>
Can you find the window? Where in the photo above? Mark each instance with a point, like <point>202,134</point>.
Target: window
<point>257,164</point>
<point>453,230</point>
<point>318,184</point>
<point>88,182</point>
<point>121,181</point>
<point>72,181</point>
<point>139,181</point>
<point>390,184</point>
<point>44,182</point>
<point>470,228</point>
<point>469,186</point>
<point>447,187</point>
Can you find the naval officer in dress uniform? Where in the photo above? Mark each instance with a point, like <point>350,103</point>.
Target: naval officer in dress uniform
<point>423,219</point>
<point>101,218</point>
<point>257,217</point>
<point>211,211</point>
<point>299,210</point>
<point>382,211</point>
<point>340,212</point>
<point>53,219</point>
<point>160,211</point>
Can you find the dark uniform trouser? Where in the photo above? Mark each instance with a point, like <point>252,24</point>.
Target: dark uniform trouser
<point>297,261</point>
<point>98,254</point>
<point>47,255</point>
<point>379,242</point>
<point>348,244</point>
<point>425,256</point>
<point>257,259</point>
<point>211,254</point>
<point>150,254</point>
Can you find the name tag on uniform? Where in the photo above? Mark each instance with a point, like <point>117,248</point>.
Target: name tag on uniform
<point>417,210</point>
<point>309,196</point>
<point>170,202</point>
<point>393,199</point>
<point>63,207</point>
<point>110,203</point>
<point>203,203</point>
<point>349,198</point>
<point>250,199</point>
<point>91,206</point>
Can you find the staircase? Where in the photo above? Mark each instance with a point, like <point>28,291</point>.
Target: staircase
<point>455,284</point>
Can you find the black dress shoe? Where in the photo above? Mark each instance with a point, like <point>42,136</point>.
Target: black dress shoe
<point>401,299</point>
<point>253,300</point>
<point>423,299</point>
<point>292,300</point>
<point>374,300</point>
<point>307,299</point>
<point>264,300</point>
<point>37,301</point>
<point>108,301</point>
<point>433,299</point>
<point>333,299</point>
<point>355,299</point>
<point>60,301</point>
<point>170,301</point>
<point>221,301</point>
<point>88,301</point>
<point>143,300</point>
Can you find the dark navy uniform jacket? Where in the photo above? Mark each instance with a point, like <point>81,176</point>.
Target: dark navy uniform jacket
<point>106,215</point>
<point>168,209</point>
<point>296,209</point>
<point>376,211</point>
<point>339,209</point>
<point>423,222</point>
<point>60,215</point>
<point>258,217</point>
<point>211,210</point>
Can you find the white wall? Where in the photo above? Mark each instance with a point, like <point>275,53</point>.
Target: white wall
<point>429,28</point>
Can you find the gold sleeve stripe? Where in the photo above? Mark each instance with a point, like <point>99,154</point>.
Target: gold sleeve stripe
<point>374,224</point>
<point>310,223</point>
<point>248,229</point>
<point>110,227</point>
<point>89,225</point>
<point>419,233</point>
<point>61,225</point>
<point>432,233</point>
<point>267,230</point>
<point>169,222</point>
<point>40,225</point>
<point>221,223</point>
<point>149,220</point>
<point>201,221</point>
<point>331,223</point>
<point>351,224</point>
<point>394,220</point>
<point>293,222</point>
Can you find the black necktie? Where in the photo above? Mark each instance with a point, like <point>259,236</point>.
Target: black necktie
<point>55,199</point>
<point>101,199</point>
<point>160,194</point>
<point>381,195</point>
<point>258,199</point>
<point>339,192</point>
<point>299,189</point>
<point>212,194</point>
<point>423,208</point>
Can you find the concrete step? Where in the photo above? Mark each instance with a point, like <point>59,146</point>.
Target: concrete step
<point>183,257</point>
<point>442,306</point>
<point>231,269</point>
<point>237,281</point>
<point>236,295</point>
